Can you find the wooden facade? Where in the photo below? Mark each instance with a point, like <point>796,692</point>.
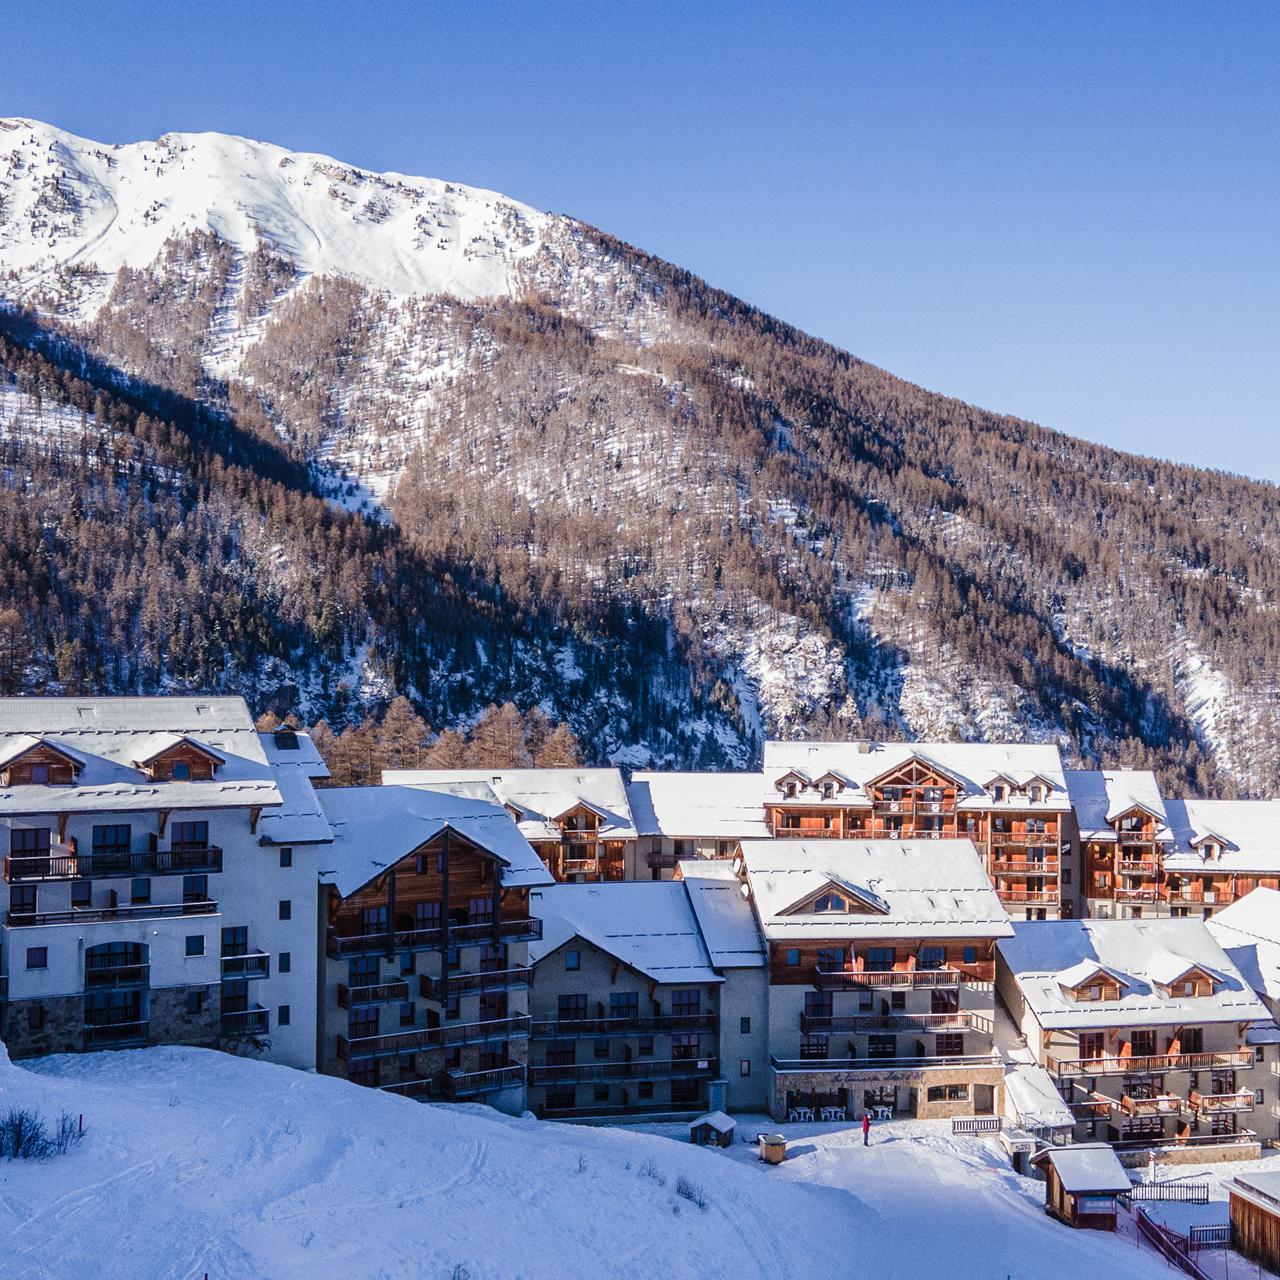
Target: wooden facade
<point>1255,1219</point>
<point>40,765</point>
<point>580,854</point>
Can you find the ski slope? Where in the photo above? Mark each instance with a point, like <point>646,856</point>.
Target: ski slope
<point>196,1162</point>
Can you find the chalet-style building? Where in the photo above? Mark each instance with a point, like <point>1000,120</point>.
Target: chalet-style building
<point>881,964</point>
<point>1249,932</point>
<point>1221,850</point>
<point>1143,1025</point>
<point>159,877</point>
<point>1122,832</point>
<point>692,815</point>
<point>427,927</point>
<point>628,1007</point>
<point>577,820</point>
<point>1009,800</point>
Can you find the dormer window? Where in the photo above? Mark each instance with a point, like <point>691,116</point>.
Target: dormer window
<point>828,790</point>
<point>1035,792</point>
<point>40,774</point>
<point>998,792</point>
<point>827,903</point>
<point>181,771</point>
<point>791,789</point>
<point>286,739</point>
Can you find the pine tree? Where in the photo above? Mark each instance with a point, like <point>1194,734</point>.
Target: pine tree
<point>499,740</point>
<point>448,751</point>
<point>560,750</point>
<point>402,736</point>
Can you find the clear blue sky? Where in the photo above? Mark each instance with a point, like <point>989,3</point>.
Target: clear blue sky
<point>1065,211</point>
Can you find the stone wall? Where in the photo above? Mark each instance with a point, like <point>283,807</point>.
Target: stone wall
<point>857,1082</point>
<point>63,1030</point>
<point>172,1024</point>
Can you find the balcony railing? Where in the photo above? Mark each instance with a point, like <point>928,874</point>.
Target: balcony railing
<point>1048,839</point>
<point>1123,894</point>
<point>1113,1065</point>
<point>790,1066</point>
<point>253,964</point>
<point>1242,1137</point>
<point>420,1038</point>
<point>374,993</point>
<point>1093,1108</point>
<point>810,833</point>
<point>1219,1103</point>
<point>1137,866</point>
<point>122,976</point>
<point>461,984</point>
<point>871,1023</point>
<point>522,930</point>
<point>1164,1104</point>
<point>579,837</point>
<point>677,1022</point>
<point>580,866</point>
<point>1199,897</point>
<point>1031,897</point>
<point>61,863</point>
<point>474,1084</point>
<point>1023,867</point>
<point>1129,838</point>
<point>118,1034</point>
<point>636,1069</point>
<point>110,915</point>
<point>246,1022</point>
<point>851,980</point>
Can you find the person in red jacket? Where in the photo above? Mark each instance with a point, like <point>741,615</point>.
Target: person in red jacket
<point>866,1128</point>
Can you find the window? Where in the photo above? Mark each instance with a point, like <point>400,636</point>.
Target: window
<point>971,955</point>
<point>813,1046</point>
<point>282,1016</point>
<point>35,1017</point>
<point>571,1008</point>
<point>624,1004</point>
<point>831,959</point>
<point>686,1004</point>
<point>195,1002</point>
<point>882,1046</point>
<point>897,1000</point>
<point>744,1067</point>
<point>932,957</point>
<point>30,841</point>
<point>195,944</point>
<point>645,1091</point>
<point>644,1046</point>
<point>744,1026</point>
<point>286,857</point>
<point>362,971</point>
<point>285,963</point>
<point>40,773</point>
<point>235,941</point>
<point>408,963</point>
<point>406,1013</point>
<point>81,893</point>
<point>1143,1043</point>
<point>600,1093</point>
<point>1066,875</point>
<point>426,915</point>
<point>1192,1040</point>
<point>998,791</point>
<point>362,1022</point>
<point>181,771</point>
<point>1034,792</point>
<point>373,920</point>
<point>195,888</point>
<point>572,961</point>
<point>950,1044</point>
<point>286,739</point>
<point>826,903</point>
<point>793,956</point>
<point>452,1008</point>
<point>880,959</point>
<point>286,909</point>
<point>22,900</point>
<point>560,1053</point>
<point>600,1048</point>
<point>140,891</point>
<point>112,840</point>
<point>189,835</point>
<point>480,910</point>
<point>948,1093</point>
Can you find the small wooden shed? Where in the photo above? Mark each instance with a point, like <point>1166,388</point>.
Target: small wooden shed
<point>773,1147</point>
<point>715,1129</point>
<point>1081,1184</point>
<point>1255,1217</point>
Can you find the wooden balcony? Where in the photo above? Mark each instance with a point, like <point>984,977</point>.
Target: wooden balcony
<point>659,1023</point>
<point>871,1023</point>
<point>462,984</point>
<point>63,863</point>
<point>1200,897</point>
<point>375,993</point>
<point>902,979</point>
<point>251,965</point>
<point>1137,866</point>
<point>1025,867</point>
<point>580,866</point>
<point>246,1022</point>
<point>1028,897</point>
<point>1221,1103</point>
<point>423,1038</point>
<point>1124,894</point>
<point>811,833</point>
<point>1094,1107</point>
<point>111,915</point>
<point>1045,839</point>
<point>1118,1066</point>
<point>636,1069</point>
<point>461,935</point>
<point>1164,1104</point>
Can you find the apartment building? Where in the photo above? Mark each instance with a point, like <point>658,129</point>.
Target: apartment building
<point>691,815</point>
<point>1009,800</point>
<point>1220,851</point>
<point>426,934</point>
<point>578,820</point>
<point>158,885</point>
<point>1143,1025</point>
<point>881,968</point>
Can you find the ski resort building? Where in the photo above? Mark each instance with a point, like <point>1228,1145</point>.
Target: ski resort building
<point>578,820</point>
<point>159,879</point>
<point>426,935</point>
<point>1221,850</point>
<point>1144,1027</point>
<point>881,968</point>
<point>692,815</point>
<point>1008,800</point>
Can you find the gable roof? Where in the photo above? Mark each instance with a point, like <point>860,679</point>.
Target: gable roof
<point>728,925</point>
<point>1100,796</point>
<point>859,894</point>
<point>147,749</point>
<point>1249,932</point>
<point>13,749</point>
<point>109,735</point>
<point>716,806</point>
<point>1086,1167</point>
<point>1249,831</point>
<point>929,888</point>
<point>649,926</point>
<point>1145,952</point>
<point>376,827</point>
<point>1077,975</point>
<point>541,795</point>
<point>970,764</point>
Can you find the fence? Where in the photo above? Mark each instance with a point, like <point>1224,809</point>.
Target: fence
<point>976,1124</point>
<point>1182,1192</point>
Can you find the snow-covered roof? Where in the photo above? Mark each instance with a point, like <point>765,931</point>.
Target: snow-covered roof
<point>111,736</point>
<point>971,764</point>
<point>1100,796</point>
<point>541,795</point>
<point>929,888</point>
<point>1263,1186</point>
<point>1146,953</point>
<point>147,748</point>
<point>375,827</point>
<point>300,818</point>
<point>1247,832</point>
<point>720,1122</point>
<point>1073,975</point>
<point>1086,1168</point>
<point>1249,932</point>
<point>1035,1097</point>
<point>715,806</point>
<point>649,926</point>
<point>724,915</point>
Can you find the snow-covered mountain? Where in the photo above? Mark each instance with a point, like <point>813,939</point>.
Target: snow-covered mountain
<point>619,493</point>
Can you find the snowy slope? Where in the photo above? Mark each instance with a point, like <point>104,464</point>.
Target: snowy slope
<point>66,201</point>
<point>198,1162</point>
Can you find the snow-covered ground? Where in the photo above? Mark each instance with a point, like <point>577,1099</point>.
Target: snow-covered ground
<point>198,1163</point>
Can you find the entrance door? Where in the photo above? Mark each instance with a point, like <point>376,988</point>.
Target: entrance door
<point>983,1099</point>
